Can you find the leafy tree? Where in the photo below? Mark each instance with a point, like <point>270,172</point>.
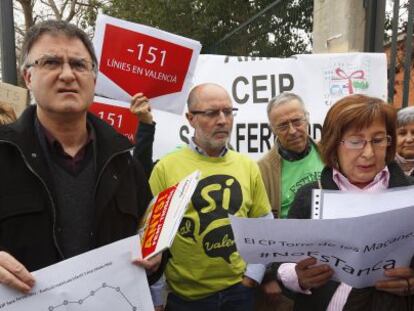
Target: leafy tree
<point>282,31</point>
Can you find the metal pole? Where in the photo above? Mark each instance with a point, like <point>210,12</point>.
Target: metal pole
<point>8,51</point>
<point>394,36</point>
<point>374,32</point>
<point>408,50</point>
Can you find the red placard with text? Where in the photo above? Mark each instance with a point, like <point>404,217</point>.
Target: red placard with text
<point>135,58</point>
<point>156,221</point>
<point>120,118</point>
<point>142,63</point>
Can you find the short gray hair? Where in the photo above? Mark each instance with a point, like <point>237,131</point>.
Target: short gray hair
<point>405,116</point>
<point>54,28</point>
<point>284,98</point>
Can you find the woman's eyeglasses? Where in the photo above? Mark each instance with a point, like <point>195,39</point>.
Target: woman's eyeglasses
<point>357,143</point>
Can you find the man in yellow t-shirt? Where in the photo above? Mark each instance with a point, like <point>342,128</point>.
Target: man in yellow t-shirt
<point>205,271</point>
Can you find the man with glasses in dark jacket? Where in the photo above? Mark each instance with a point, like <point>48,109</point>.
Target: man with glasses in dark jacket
<point>68,181</point>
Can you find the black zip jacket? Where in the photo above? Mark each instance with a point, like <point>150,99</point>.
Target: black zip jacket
<point>29,230</point>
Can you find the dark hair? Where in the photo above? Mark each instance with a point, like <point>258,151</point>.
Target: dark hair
<point>355,111</point>
<point>54,28</point>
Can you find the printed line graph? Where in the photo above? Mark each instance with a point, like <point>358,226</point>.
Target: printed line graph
<point>91,294</point>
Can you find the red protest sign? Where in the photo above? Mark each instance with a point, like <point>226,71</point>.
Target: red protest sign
<point>156,221</point>
<point>120,118</point>
<point>141,63</point>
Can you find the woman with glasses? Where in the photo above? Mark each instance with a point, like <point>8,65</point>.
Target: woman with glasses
<point>357,146</point>
<point>405,140</point>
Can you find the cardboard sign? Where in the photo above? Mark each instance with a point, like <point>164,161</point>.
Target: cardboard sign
<point>165,214</point>
<point>15,96</point>
<point>145,60</point>
<point>116,114</point>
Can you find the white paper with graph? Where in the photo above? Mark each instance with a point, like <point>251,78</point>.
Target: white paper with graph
<point>102,279</point>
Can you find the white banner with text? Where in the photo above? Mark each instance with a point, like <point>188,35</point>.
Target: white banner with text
<point>358,249</point>
<point>320,79</point>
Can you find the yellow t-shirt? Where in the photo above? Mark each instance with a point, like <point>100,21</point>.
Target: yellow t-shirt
<point>204,256</point>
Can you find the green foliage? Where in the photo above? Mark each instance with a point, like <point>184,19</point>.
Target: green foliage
<point>282,31</point>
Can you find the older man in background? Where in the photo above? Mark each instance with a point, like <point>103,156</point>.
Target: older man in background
<point>294,159</point>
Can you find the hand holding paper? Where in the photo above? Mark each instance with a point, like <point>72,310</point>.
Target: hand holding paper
<point>14,274</point>
<point>310,275</point>
<point>101,279</point>
<point>272,291</point>
<point>358,249</point>
<point>151,264</point>
<point>402,282</point>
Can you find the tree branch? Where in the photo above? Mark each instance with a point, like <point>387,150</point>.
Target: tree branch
<point>72,11</point>
<point>27,7</point>
<point>55,10</point>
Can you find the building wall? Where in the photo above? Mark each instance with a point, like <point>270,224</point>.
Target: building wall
<point>338,26</point>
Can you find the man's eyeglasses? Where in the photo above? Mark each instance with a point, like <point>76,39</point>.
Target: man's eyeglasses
<point>53,63</point>
<point>357,143</point>
<point>215,113</point>
<point>298,122</point>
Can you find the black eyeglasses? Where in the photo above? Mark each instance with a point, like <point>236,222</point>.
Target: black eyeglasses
<point>215,113</point>
<point>54,63</point>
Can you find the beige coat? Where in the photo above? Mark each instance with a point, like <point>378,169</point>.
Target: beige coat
<point>270,166</point>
